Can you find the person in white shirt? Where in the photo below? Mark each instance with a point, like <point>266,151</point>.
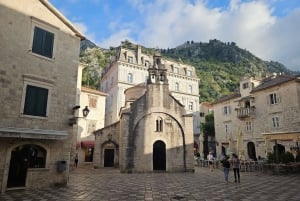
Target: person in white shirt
<point>210,159</point>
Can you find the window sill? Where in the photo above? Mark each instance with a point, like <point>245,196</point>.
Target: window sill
<point>41,56</point>
<point>33,117</point>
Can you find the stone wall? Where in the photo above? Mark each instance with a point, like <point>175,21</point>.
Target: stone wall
<point>19,65</point>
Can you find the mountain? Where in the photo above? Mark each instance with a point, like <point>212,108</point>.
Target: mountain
<point>219,65</point>
<point>86,44</point>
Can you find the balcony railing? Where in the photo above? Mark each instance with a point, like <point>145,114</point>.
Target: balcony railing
<point>245,112</point>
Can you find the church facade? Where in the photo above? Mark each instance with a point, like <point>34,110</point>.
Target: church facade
<point>154,132</point>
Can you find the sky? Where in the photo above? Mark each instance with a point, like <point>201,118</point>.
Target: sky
<point>270,29</point>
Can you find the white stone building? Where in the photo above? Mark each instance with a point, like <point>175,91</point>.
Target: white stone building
<point>153,132</point>
<point>129,68</point>
<point>38,77</point>
<point>94,100</point>
<point>264,113</point>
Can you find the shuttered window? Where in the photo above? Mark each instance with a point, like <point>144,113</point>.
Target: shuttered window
<point>226,110</point>
<point>159,124</point>
<point>273,98</point>
<point>35,101</point>
<point>43,42</point>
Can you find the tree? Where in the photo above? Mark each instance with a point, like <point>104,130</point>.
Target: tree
<point>208,129</point>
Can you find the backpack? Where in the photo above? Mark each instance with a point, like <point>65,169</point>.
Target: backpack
<point>226,164</point>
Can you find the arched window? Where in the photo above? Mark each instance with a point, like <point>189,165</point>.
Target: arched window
<point>190,89</point>
<point>176,87</point>
<point>129,78</point>
<point>159,124</point>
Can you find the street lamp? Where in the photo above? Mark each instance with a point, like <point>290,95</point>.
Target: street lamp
<point>85,112</point>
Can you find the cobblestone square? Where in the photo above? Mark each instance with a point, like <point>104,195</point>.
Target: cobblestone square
<point>106,184</point>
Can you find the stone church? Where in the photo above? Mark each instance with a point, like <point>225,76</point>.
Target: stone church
<point>154,132</point>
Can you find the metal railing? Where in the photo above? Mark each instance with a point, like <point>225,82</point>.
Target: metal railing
<point>245,112</point>
<point>245,166</point>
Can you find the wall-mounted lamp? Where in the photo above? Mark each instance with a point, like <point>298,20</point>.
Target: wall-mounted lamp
<point>85,112</point>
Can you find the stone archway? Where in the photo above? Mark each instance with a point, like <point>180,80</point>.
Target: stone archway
<point>159,155</point>
<point>109,157</point>
<point>24,157</point>
<point>251,150</point>
<point>279,147</point>
<point>109,154</point>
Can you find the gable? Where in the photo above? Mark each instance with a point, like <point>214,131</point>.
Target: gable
<point>44,11</point>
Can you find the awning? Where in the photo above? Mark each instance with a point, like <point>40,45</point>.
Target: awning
<point>88,144</point>
<point>292,135</point>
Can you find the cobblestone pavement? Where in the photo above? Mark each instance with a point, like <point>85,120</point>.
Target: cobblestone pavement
<point>87,183</point>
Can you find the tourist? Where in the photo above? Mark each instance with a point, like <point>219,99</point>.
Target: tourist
<point>226,166</point>
<point>236,167</point>
<point>76,160</point>
<point>210,159</point>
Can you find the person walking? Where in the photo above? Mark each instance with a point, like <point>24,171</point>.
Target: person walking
<point>76,160</point>
<point>236,167</point>
<point>226,165</point>
<point>210,159</point>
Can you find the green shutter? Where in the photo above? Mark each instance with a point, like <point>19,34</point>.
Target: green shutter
<point>37,46</point>
<point>43,42</point>
<point>36,101</point>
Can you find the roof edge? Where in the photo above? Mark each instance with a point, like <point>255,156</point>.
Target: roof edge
<point>62,18</point>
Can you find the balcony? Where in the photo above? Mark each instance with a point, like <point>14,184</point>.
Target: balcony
<point>245,112</point>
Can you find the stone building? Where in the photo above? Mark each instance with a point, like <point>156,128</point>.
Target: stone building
<point>153,133</point>
<point>94,100</point>
<point>129,67</point>
<point>38,73</point>
<point>263,115</point>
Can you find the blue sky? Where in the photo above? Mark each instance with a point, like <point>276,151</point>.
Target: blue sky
<point>268,28</point>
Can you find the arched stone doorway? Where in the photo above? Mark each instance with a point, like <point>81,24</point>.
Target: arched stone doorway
<point>24,157</point>
<point>280,148</point>
<point>223,150</point>
<point>159,155</point>
<point>251,150</point>
<point>109,157</point>
<point>109,154</point>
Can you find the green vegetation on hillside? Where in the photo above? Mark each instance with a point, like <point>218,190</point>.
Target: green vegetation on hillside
<point>219,65</point>
<point>95,59</point>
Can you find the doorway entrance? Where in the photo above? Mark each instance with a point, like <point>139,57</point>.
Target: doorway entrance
<point>251,150</point>
<point>109,156</point>
<point>22,158</point>
<point>159,155</point>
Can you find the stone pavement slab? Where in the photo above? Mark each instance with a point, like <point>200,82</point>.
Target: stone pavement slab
<point>108,184</point>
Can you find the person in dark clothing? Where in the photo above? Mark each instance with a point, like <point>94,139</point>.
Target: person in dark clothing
<point>76,160</point>
<point>226,165</point>
<point>236,167</point>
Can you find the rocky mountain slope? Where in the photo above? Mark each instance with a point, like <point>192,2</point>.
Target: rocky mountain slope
<point>219,65</point>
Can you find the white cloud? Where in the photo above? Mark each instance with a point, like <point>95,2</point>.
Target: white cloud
<point>115,39</point>
<point>284,42</point>
<point>81,27</point>
<point>251,24</point>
